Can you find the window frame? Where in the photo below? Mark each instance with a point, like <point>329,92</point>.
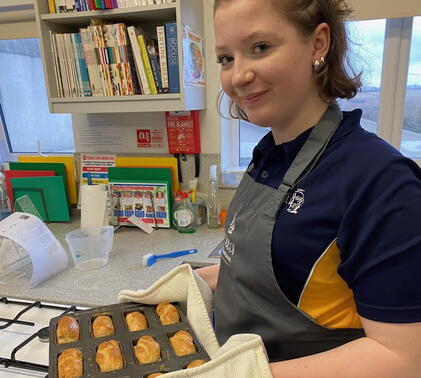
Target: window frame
<point>396,54</point>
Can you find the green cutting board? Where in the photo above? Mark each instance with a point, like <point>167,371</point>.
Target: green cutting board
<point>58,168</point>
<point>141,174</point>
<point>47,194</point>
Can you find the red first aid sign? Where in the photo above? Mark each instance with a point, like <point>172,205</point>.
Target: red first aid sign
<point>144,138</point>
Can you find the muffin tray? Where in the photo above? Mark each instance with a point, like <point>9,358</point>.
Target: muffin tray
<point>88,344</point>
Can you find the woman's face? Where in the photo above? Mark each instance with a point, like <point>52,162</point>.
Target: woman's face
<point>266,64</point>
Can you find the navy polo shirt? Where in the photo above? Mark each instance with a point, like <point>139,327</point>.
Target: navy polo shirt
<point>364,195</point>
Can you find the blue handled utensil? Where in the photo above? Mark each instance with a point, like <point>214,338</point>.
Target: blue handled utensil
<point>150,258</point>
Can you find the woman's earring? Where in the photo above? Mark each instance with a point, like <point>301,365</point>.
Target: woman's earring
<point>319,63</point>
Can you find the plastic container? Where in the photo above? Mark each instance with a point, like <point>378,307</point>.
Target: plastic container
<point>212,205</point>
<point>90,246</point>
<point>183,216</point>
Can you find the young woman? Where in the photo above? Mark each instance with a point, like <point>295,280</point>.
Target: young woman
<point>323,242</point>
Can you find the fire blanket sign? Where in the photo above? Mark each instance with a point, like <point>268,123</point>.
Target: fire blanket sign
<point>149,138</point>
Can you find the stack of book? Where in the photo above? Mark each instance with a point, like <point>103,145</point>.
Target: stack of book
<point>64,6</point>
<point>116,60</point>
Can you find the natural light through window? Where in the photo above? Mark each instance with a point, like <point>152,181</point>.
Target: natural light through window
<point>366,55</point>
<point>23,101</point>
<point>411,131</point>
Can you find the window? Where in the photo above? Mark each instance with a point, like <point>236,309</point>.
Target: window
<point>23,102</point>
<point>366,56</point>
<point>411,130</point>
<point>388,52</point>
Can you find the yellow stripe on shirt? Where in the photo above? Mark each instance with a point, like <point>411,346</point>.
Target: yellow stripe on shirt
<point>326,297</point>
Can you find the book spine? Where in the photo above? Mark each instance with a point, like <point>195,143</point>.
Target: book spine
<point>51,6</point>
<point>137,55</point>
<point>172,57</point>
<point>56,64</point>
<point>147,63</point>
<point>137,87</point>
<point>90,59</point>
<point>76,63</point>
<point>156,73</point>
<point>162,51</point>
<point>87,91</point>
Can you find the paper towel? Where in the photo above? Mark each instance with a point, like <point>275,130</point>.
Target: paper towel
<point>93,206</point>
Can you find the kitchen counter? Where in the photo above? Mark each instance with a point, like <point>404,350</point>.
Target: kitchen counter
<point>124,269</point>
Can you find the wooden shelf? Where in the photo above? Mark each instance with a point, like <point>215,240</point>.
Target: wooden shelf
<point>183,12</point>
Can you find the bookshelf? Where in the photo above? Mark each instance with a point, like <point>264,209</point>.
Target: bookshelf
<point>183,12</point>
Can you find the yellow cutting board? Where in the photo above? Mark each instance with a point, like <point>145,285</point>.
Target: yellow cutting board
<point>70,170</point>
<point>152,162</point>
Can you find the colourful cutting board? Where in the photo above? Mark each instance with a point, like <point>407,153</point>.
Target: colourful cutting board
<point>68,161</point>
<point>145,174</point>
<point>58,168</point>
<point>47,194</point>
<point>9,174</point>
<point>152,162</point>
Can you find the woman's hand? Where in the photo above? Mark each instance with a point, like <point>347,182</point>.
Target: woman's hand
<point>210,275</point>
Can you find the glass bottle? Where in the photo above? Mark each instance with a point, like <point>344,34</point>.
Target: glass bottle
<point>212,205</point>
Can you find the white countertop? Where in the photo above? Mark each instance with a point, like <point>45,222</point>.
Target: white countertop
<point>124,269</point>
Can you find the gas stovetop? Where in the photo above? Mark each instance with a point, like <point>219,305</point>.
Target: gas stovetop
<point>24,336</point>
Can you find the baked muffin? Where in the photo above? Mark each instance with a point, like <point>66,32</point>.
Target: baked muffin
<point>136,321</point>
<point>195,363</point>
<point>108,356</point>
<point>147,350</point>
<point>182,343</point>
<point>67,330</point>
<point>167,313</point>
<point>103,326</point>
<point>70,364</point>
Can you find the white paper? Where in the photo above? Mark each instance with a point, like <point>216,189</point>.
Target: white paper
<point>117,132</point>
<point>47,254</point>
<point>94,211</point>
<point>141,224</point>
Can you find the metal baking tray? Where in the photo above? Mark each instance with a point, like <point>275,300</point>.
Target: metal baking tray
<point>88,344</point>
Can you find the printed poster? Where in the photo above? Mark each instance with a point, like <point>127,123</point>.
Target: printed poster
<point>146,201</point>
<point>194,58</point>
<point>97,165</point>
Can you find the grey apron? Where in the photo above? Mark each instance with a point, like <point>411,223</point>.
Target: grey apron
<point>248,298</point>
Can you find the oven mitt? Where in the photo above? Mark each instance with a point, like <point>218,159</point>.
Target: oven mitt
<point>242,356</point>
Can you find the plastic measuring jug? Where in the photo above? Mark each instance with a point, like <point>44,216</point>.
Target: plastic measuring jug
<point>90,246</point>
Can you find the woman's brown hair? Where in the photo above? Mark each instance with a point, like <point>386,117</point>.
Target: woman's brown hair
<point>335,78</point>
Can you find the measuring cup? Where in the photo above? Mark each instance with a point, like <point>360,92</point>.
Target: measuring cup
<point>90,246</point>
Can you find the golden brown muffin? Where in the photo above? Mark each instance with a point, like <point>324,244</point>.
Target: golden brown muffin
<point>167,313</point>
<point>195,363</point>
<point>153,375</point>
<point>147,350</point>
<point>136,321</point>
<point>182,343</point>
<point>108,356</point>
<point>70,363</point>
<point>103,326</point>
<point>67,330</point>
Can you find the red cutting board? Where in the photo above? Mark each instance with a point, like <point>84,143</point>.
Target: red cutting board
<point>8,174</point>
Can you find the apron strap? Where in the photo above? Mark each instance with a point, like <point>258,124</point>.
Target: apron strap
<point>306,158</point>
